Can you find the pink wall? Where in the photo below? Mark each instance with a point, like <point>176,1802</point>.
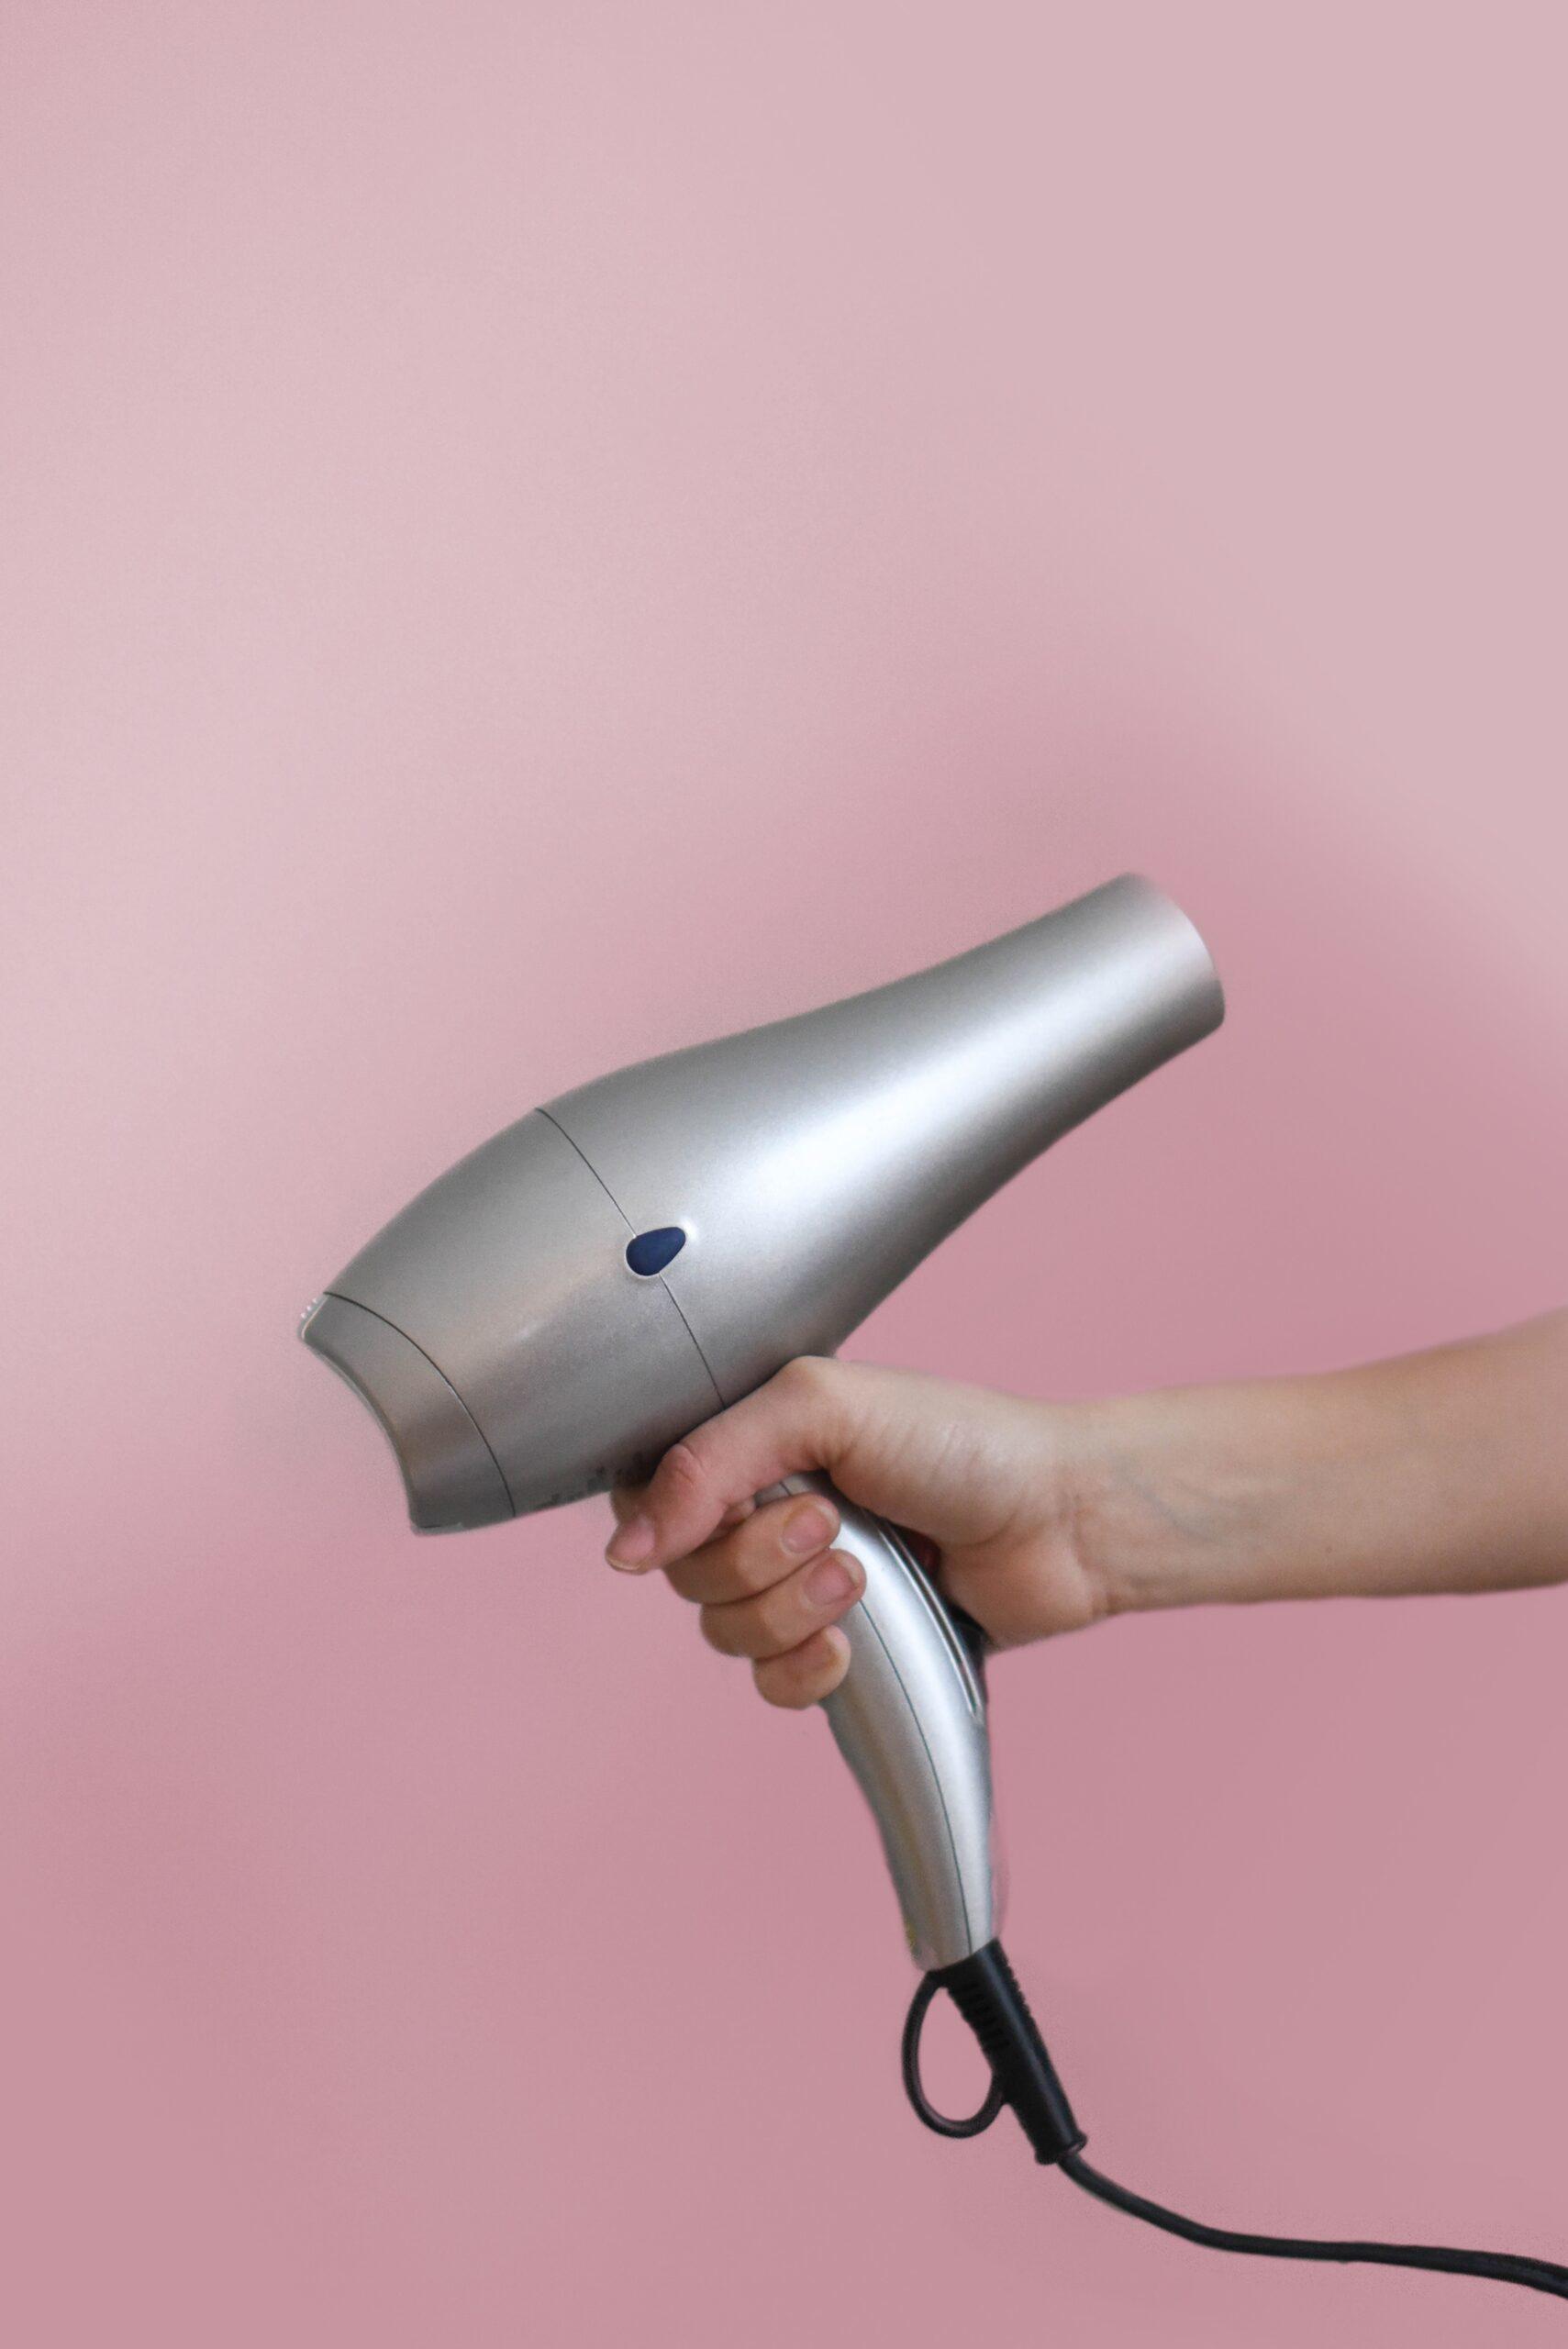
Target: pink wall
<point>536,533</point>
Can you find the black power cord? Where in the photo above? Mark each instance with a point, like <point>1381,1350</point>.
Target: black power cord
<point>983,1989</point>
<point>1500,2267</point>
<point>914,2023</point>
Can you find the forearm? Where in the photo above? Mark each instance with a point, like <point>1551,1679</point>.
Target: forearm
<point>1445,1471</point>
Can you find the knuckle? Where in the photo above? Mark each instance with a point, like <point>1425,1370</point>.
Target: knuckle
<point>779,1688</point>
<point>802,1676</point>
<point>753,1564</point>
<point>752,1559</point>
<point>715,1574</point>
<point>753,1627</point>
<point>682,1472</point>
<point>773,1618</point>
<point>687,1578</point>
<point>719,1631</point>
<point>806,1376</point>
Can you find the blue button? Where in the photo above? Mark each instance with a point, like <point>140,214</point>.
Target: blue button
<point>651,1251</point>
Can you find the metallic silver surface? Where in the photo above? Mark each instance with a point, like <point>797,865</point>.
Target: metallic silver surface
<point>450,1473</point>
<point>816,1162</point>
<point>909,1717</point>
<point>509,1275</point>
<point>515,1360</point>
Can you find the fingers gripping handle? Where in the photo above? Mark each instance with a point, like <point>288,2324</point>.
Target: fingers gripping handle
<point>909,1719</point>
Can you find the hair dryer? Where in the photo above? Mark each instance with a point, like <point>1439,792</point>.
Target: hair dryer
<point>580,1291</point>
<point>559,1308</point>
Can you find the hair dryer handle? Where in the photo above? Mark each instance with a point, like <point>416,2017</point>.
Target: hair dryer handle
<point>909,1717</point>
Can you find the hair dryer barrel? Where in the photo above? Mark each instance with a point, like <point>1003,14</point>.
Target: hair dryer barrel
<point>582,1289</point>
<point>813,1163</point>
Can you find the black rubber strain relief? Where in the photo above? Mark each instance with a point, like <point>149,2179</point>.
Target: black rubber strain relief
<point>985,1992</point>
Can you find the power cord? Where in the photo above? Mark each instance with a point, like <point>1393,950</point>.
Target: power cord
<point>986,1994</point>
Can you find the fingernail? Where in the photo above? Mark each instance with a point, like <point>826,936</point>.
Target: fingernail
<point>633,1541</point>
<point>829,1581</point>
<point>808,1529</point>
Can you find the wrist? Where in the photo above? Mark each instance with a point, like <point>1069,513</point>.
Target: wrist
<point>1431,1471</point>
<point>1179,1496</point>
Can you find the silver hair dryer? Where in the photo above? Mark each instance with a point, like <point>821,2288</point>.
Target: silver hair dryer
<point>576,1295</point>
<point>580,1291</point>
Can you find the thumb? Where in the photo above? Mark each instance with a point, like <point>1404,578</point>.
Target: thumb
<point>801,1418</point>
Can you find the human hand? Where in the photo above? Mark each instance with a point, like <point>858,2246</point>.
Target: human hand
<point>1440,1471</point>
<point>983,1480</point>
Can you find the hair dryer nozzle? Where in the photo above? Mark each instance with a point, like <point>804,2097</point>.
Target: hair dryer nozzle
<point>449,1471</point>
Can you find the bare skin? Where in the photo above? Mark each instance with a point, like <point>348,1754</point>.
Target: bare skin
<point>1443,1471</point>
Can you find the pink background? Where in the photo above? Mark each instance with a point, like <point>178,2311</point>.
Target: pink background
<point>536,533</point>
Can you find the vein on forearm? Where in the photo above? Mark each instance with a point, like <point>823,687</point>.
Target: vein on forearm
<point>1441,1471</point>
